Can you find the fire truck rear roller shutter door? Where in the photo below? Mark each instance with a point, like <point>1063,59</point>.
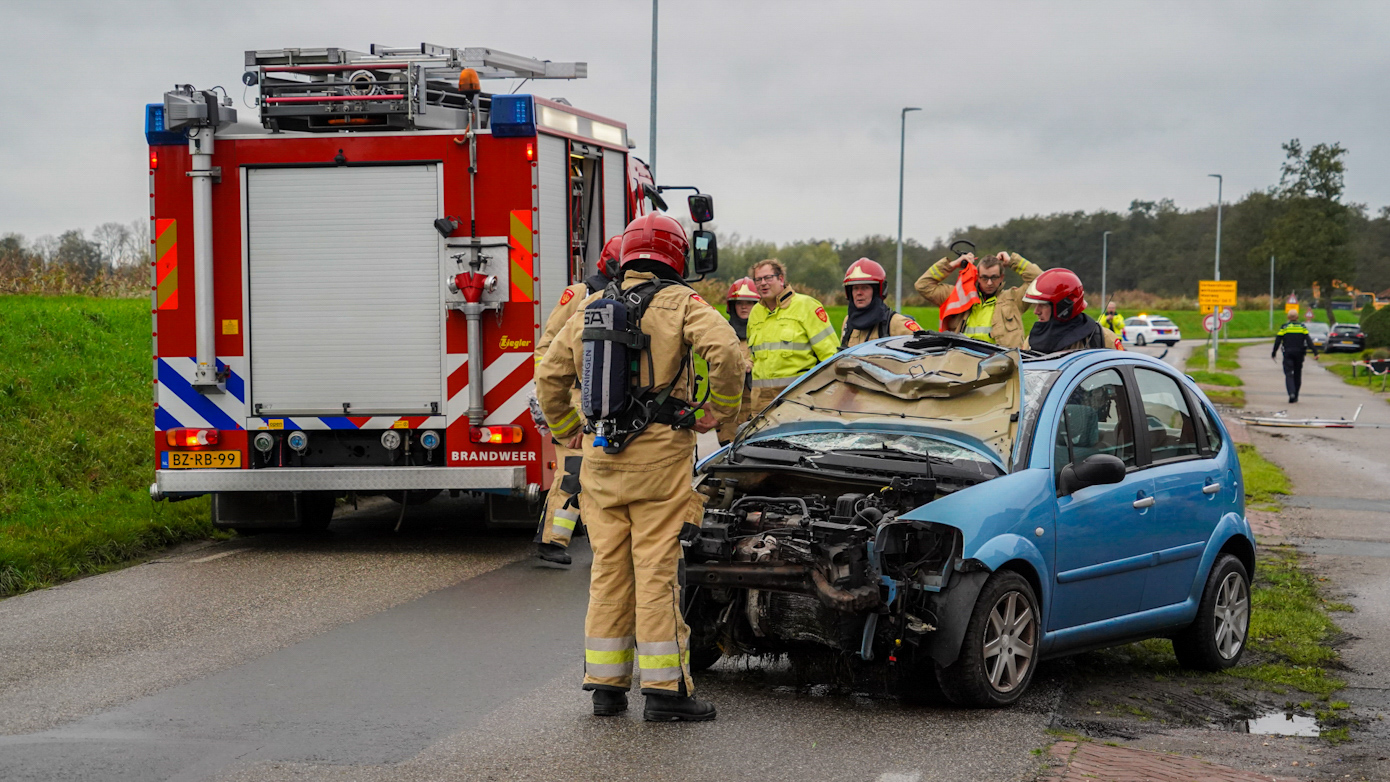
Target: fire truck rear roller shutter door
<point>614,193</point>
<point>345,289</point>
<point>552,267</point>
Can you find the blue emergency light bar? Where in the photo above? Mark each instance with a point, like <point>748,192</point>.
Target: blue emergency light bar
<point>513,116</point>
<point>155,133</point>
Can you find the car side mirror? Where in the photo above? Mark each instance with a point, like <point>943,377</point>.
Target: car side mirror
<point>701,208</point>
<point>704,253</point>
<point>1095,470</point>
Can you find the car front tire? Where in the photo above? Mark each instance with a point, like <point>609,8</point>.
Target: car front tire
<point>1000,650</point>
<point>1216,639</point>
<point>1140,340</point>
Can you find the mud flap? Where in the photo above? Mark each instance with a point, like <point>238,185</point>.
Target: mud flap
<point>953,607</point>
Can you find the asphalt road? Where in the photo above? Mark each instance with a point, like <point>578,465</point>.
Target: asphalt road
<point>441,651</point>
<point>438,652</point>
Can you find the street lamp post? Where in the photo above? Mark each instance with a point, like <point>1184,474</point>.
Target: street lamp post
<point>902,158</point>
<point>1216,332</point>
<point>1271,293</point>
<point>1104,261</point>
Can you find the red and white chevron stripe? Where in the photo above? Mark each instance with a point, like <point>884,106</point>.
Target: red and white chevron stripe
<point>508,380</point>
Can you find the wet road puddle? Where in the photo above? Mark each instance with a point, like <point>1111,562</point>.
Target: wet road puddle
<point>1280,723</point>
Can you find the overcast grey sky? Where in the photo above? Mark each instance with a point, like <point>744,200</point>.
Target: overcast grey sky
<point>786,111</point>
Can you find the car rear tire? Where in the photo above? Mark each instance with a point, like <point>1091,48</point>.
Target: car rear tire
<point>1000,650</point>
<point>1216,639</point>
<point>1140,340</point>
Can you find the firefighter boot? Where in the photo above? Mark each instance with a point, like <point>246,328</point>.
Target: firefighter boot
<point>608,703</point>
<point>550,552</point>
<point>676,708</point>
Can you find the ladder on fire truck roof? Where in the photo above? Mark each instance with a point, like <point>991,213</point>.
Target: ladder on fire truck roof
<point>386,88</point>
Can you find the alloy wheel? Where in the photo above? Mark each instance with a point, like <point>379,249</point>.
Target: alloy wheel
<point>1009,641</point>
<point>1232,613</point>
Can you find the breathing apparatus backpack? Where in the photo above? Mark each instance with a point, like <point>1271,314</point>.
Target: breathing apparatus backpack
<point>618,410</point>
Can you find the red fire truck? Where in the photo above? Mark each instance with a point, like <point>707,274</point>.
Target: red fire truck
<point>346,294</point>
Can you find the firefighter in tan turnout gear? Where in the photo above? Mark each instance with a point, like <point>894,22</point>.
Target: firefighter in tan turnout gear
<point>977,304</point>
<point>869,317</point>
<point>636,480</point>
<point>561,513</point>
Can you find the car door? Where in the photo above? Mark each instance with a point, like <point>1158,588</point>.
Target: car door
<point>1189,484</point>
<point>1100,563</point>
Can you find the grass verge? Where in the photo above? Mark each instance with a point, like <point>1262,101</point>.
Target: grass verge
<point>1263,478</point>
<point>76,447</point>
<point>1339,364</point>
<point>1221,387</point>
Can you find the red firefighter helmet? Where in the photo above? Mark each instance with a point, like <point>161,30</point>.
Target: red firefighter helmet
<point>743,289</point>
<point>866,272</point>
<point>657,236</point>
<point>1062,289</point>
<point>608,259</point>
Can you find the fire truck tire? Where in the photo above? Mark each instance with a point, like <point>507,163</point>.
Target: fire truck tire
<point>314,510</point>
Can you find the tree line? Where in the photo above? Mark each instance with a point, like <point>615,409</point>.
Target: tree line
<point>1154,246</point>
<point>113,261</point>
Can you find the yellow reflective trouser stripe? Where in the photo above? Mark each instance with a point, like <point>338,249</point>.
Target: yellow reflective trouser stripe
<point>609,657</point>
<point>660,661</point>
<point>566,424</point>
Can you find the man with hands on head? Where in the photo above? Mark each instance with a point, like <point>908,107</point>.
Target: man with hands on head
<point>977,304</point>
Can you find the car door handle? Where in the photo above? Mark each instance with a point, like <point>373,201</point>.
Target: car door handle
<point>1211,488</point>
<point>1144,502</point>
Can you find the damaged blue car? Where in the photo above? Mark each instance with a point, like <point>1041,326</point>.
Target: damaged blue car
<point>969,511</point>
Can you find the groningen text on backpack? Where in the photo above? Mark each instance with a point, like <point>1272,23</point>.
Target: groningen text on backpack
<point>616,408</point>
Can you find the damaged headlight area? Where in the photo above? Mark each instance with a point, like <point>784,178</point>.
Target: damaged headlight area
<point>803,546</point>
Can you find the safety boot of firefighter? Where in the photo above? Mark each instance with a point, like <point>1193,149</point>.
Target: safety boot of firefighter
<point>553,553</point>
<point>677,708</point>
<point>608,703</point>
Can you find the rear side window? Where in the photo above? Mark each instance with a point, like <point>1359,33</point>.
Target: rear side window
<point>1162,322</point>
<point>1095,420</point>
<point>1167,417</point>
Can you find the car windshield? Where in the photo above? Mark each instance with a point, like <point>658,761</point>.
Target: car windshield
<point>879,441</point>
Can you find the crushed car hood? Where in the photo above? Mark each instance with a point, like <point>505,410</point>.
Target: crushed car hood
<point>951,390</point>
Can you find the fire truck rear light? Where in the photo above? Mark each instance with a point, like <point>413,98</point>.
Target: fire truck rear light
<point>496,435</point>
<point>530,151</point>
<point>190,438</point>
<point>154,160</point>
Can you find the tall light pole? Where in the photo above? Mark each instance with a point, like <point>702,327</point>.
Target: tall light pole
<point>651,132</point>
<point>1216,332</point>
<point>902,157</point>
<point>1271,293</point>
<point>1104,261</point>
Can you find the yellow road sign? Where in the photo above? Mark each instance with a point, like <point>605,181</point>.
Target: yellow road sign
<point>1216,293</point>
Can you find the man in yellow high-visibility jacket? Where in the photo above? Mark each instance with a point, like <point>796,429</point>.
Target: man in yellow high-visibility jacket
<point>788,333</point>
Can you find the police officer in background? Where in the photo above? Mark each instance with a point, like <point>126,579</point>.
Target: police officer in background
<point>1112,320</point>
<point>561,513</point>
<point>636,500</point>
<point>738,303</point>
<point>869,317</point>
<point>1296,341</point>
<point>788,332</point>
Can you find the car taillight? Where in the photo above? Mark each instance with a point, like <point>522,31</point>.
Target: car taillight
<point>1360,335</point>
<point>496,435</point>
<point>190,438</point>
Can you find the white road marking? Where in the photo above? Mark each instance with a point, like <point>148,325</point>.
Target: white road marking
<point>216,556</point>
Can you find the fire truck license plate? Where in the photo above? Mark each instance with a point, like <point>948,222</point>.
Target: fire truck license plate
<point>203,459</point>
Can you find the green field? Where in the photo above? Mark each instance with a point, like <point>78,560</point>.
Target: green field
<point>76,442</point>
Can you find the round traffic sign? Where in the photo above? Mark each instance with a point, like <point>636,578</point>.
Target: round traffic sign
<point>1209,322</point>
<point>1226,314</point>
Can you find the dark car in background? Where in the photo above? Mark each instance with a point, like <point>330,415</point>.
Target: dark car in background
<point>1319,332</point>
<point>1346,336</point>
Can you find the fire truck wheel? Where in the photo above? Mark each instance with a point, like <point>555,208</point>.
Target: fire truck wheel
<point>314,510</point>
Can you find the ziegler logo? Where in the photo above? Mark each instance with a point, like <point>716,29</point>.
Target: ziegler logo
<point>508,342</point>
